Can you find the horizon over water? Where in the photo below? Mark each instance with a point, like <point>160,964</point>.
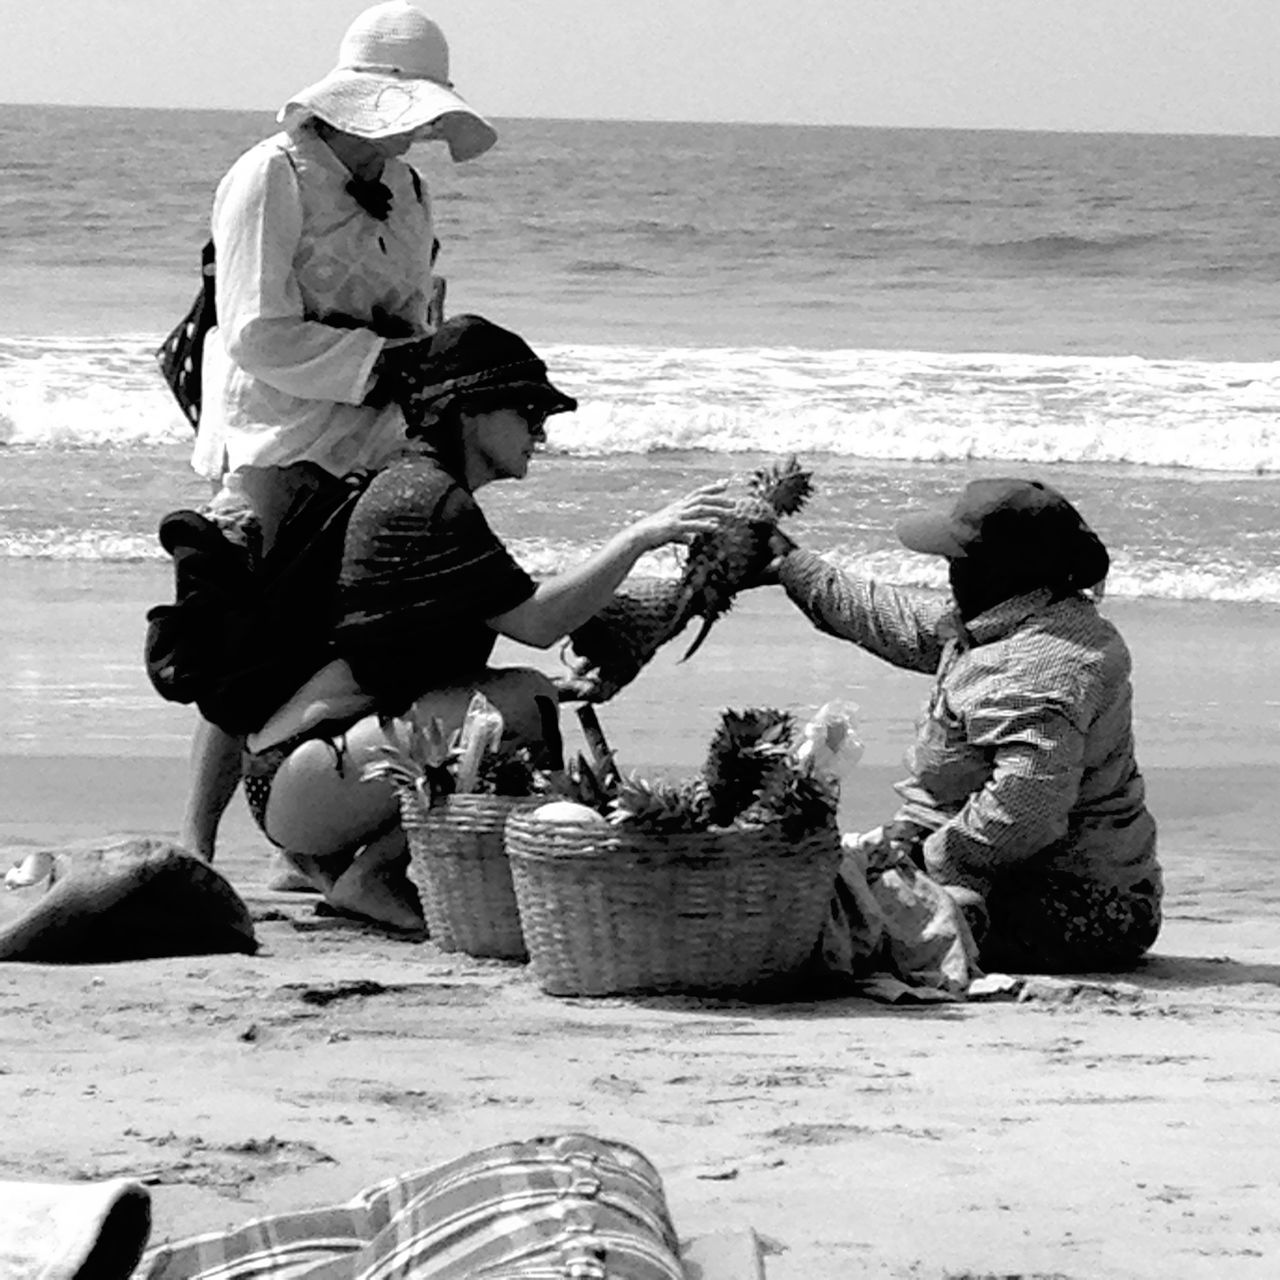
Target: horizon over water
<point>904,308</point>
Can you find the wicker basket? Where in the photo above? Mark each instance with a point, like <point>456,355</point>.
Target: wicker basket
<point>608,911</point>
<point>459,865</point>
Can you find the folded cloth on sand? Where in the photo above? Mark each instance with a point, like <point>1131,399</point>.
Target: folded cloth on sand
<point>564,1206</point>
<point>76,1231</point>
<point>129,900</point>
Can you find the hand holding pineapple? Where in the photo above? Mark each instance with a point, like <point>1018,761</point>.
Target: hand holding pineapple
<point>696,514</point>
<point>776,549</point>
<point>738,551</point>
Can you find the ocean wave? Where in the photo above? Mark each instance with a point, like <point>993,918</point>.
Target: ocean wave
<point>85,393</point>
<point>607,267</point>
<point>1051,248</point>
<point>79,544</point>
<point>899,406</point>
<point>1216,582</point>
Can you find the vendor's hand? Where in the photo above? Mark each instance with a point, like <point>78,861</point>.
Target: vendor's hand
<point>400,369</point>
<point>701,511</point>
<point>767,575</point>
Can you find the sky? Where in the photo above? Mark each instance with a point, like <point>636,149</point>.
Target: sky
<point>1162,66</point>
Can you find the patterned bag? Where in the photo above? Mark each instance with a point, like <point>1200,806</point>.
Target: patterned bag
<point>181,353</point>
<point>571,1207</point>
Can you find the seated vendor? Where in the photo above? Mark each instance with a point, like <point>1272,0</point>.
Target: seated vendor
<point>1024,796</point>
<point>426,588</point>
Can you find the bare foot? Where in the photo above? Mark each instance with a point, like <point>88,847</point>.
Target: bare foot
<point>376,887</point>
<point>304,873</point>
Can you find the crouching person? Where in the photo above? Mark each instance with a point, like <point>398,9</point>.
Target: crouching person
<point>1024,796</point>
<point>425,590</point>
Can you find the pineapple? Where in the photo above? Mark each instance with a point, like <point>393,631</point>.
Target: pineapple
<point>720,564</point>
<point>419,757</point>
<point>795,798</point>
<point>661,808</point>
<point>745,750</point>
<point>615,645</point>
<point>750,778</point>
<point>416,757</point>
<point>507,773</point>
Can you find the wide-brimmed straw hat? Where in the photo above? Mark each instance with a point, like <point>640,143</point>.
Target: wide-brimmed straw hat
<point>471,357</point>
<point>1010,519</point>
<point>393,77</point>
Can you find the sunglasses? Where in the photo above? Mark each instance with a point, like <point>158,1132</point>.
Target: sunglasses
<point>534,416</point>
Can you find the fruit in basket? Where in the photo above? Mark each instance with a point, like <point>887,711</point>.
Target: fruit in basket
<point>613,647</point>
<point>661,808</point>
<point>747,747</point>
<point>568,811</point>
<point>798,800</point>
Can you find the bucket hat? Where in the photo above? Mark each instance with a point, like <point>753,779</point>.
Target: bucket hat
<point>473,357</point>
<point>1011,520</point>
<point>393,77</point>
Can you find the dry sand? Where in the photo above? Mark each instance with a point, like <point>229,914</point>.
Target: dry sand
<point>1125,1131</point>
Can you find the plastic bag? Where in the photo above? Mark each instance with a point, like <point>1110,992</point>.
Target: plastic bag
<point>830,742</point>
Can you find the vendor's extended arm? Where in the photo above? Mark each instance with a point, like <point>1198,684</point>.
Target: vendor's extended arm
<point>257,222</point>
<point>899,626</point>
<point>1038,750</point>
<point>565,602</point>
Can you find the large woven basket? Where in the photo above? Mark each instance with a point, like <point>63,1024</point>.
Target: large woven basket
<point>459,864</point>
<point>607,911</point>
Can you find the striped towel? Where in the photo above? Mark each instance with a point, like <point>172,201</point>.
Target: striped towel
<point>570,1207</point>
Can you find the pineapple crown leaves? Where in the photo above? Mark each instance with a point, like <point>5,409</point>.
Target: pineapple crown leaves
<point>753,728</point>
<point>508,773</point>
<point>797,799</point>
<point>785,486</point>
<point>747,750</point>
<point>419,755</point>
<point>415,757</point>
<point>661,807</point>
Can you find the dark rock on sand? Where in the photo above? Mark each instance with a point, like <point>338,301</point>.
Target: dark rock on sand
<point>134,899</point>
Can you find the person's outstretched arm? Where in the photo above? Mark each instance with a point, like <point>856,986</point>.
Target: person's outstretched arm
<point>900,626</point>
<point>565,602</point>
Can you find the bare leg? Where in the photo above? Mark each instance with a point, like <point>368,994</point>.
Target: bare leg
<point>215,754</point>
<point>214,776</point>
<point>322,810</point>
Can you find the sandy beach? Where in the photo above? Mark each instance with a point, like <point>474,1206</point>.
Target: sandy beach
<point>1116,1130</point>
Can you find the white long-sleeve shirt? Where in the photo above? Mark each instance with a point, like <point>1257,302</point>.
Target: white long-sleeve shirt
<point>295,250</point>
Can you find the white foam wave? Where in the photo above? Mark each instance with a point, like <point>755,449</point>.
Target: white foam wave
<point>1220,582</point>
<point>1215,581</point>
<point>878,405</point>
<point>84,544</point>
<point>85,393</point>
<point>920,406</point>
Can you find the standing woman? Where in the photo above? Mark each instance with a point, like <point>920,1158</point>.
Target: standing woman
<point>324,246</point>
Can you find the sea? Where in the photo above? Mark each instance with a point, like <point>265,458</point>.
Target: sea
<point>901,309</point>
